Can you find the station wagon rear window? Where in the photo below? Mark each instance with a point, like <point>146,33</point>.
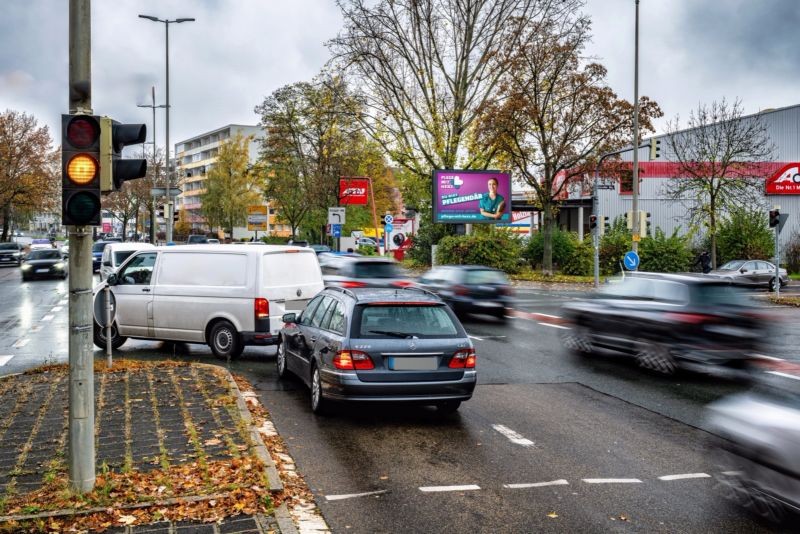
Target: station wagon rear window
<point>404,321</point>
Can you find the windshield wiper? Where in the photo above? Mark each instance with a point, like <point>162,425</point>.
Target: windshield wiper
<point>402,335</point>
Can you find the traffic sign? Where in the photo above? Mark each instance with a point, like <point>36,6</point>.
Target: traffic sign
<point>336,215</point>
<point>388,228</point>
<point>388,219</point>
<point>162,191</point>
<point>631,260</point>
<point>336,230</point>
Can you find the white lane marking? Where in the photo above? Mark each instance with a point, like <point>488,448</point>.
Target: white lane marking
<point>764,356</point>
<point>511,317</point>
<point>612,480</point>
<point>684,476</point>
<point>353,495</point>
<point>732,473</point>
<point>784,375</point>
<point>475,337</point>
<point>63,302</point>
<point>5,359</point>
<point>48,317</point>
<point>555,326</point>
<point>36,328</point>
<point>433,489</point>
<point>21,343</point>
<point>560,482</point>
<point>56,309</point>
<point>546,315</point>
<point>513,436</point>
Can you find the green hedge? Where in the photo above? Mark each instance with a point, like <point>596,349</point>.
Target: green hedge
<point>498,249</point>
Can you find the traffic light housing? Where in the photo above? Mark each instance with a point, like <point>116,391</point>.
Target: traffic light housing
<point>160,211</point>
<point>774,218</point>
<point>655,148</point>
<point>114,170</point>
<point>629,220</point>
<point>592,222</point>
<point>644,223</point>
<point>80,170</point>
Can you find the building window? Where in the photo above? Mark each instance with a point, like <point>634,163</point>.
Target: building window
<point>626,182</point>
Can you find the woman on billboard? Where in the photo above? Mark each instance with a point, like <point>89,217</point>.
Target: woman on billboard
<point>492,205</point>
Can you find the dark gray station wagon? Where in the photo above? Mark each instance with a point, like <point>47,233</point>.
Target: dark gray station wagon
<point>379,345</point>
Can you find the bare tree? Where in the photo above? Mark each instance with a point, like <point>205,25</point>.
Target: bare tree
<point>715,156</point>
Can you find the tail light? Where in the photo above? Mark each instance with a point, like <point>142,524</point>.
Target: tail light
<point>402,283</point>
<point>692,318</point>
<point>463,359</point>
<point>261,308</point>
<point>350,283</point>
<point>461,290</point>
<point>353,360</point>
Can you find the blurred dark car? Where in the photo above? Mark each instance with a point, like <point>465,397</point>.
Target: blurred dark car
<point>667,322</point>
<point>757,443</point>
<point>378,345</point>
<point>319,249</point>
<point>362,271</point>
<point>471,289</point>
<point>11,253</point>
<point>197,240</point>
<point>97,254</point>
<point>44,264</point>
<point>757,273</point>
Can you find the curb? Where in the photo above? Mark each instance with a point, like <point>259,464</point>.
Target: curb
<point>284,519</point>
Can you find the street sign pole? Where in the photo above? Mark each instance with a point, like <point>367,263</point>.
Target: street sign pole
<point>777,264</point>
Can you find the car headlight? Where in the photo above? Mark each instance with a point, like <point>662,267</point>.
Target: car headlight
<point>17,254</point>
<point>59,265</point>
<point>25,267</point>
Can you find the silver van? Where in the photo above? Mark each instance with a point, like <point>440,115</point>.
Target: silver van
<point>116,253</point>
<point>227,297</point>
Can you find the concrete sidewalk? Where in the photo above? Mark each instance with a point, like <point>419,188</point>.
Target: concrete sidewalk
<point>175,450</point>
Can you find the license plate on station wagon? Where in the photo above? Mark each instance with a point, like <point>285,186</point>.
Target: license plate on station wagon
<point>423,363</point>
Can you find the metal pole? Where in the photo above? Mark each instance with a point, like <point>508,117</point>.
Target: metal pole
<point>635,198</point>
<point>155,174</point>
<point>777,265</point>
<point>109,362</point>
<point>375,217</point>
<point>81,358</point>
<point>596,231</point>
<point>166,156</point>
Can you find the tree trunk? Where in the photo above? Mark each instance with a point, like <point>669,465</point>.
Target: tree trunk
<point>6,222</point>
<point>547,234</point>
<point>712,228</point>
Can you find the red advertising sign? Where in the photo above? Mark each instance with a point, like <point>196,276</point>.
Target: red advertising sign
<point>353,191</point>
<point>786,181</point>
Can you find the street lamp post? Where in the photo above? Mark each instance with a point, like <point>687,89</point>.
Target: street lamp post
<point>635,195</point>
<point>167,22</point>
<point>153,106</point>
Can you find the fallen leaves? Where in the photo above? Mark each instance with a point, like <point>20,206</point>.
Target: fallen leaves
<point>552,515</point>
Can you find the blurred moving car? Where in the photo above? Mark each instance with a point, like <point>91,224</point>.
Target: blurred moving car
<point>758,273</point>
<point>471,289</point>
<point>212,241</point>
<point>114,254</point>
<point>196,240</point>
<point>48,263</point>
<point>362,271</point>
<point>366,242</point>
<point>97,254</point>
<point>667,322</point>
<point>378,345</point>
<point>758,442</point>
<point>319,249</point>
<point>11,253</point>
<point>41,244</point>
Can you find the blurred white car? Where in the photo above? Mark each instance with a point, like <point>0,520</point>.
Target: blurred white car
<point>41,244</point>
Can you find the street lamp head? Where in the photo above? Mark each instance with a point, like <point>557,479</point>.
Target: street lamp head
<point>148,17</point>
<point>184,20</point>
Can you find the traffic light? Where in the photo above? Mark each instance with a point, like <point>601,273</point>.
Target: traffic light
<point>606,224</point>
<point>80,170</point>
<point>629,220</point>
<point>655,148</point>
<point>592,222</point>
<point>774,218</point>
<point>115,171</point>
<point>175,215</point>
<point>644,223</point>
<point>160,211</point>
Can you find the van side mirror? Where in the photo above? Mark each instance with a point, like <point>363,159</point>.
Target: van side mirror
<point>742,270</point>
<point>289,318</point>
<point>112,279</point>
<point>107,263</point>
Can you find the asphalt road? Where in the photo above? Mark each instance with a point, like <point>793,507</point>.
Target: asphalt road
<point>549,443</point>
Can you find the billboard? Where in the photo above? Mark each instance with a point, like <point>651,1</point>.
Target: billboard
<point>471,196</point>
<point>353,191</point>
<point>257,218</point>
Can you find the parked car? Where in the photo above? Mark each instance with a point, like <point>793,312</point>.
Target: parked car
<point>11,253</point>
<point>97,254</point>
<point>196,240</point>
<point>114,254</point>
<point>40,244</point>
<point>227,297</point>
<point>378,345</point>
<point>667,322</point>
<point>757,443</point>
<point>471,289</point>
<point>362,271</point>
<point>756,273</point>
<point>366,242</point>
<point>319,249</point>
<point>49,263</point>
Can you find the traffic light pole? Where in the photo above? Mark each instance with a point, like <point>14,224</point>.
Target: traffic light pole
<point>635,195</point>
<point>81,360</point>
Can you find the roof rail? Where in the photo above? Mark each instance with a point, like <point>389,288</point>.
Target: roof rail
<point>343,290</point>
<point>415,288</point>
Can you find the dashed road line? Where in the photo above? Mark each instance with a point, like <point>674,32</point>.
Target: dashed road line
<point>48,317</point>
<point>21,343</point>
<point>475,337</point>
<point>36,328</point>
<point>435,489</point>
<point>555,326</point>
<point>513,436</point>
<point>354,495</point>
<point>560,482</point>
<point>5,359</point>
<point>765,357</point>
<point>684,476</point>
<point>56,309</point>
<point>612,480</point>
<point>784,375</point>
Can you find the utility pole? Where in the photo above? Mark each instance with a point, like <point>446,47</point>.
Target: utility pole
<point>635,198</point>
<point>152,206</point>
<point>81,358</point>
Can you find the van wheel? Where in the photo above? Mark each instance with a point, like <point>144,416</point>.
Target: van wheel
<point>99,337</point>
<point>224,341</point>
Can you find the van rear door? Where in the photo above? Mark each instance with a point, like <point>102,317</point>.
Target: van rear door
<point>289,279</point>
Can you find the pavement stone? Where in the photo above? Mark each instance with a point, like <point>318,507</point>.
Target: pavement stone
<point>142,418</point>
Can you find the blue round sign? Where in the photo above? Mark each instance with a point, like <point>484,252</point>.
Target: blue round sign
<point>631,260</point>
<point>389,227</point>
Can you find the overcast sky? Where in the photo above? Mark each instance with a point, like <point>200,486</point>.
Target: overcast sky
<point>239,51</point>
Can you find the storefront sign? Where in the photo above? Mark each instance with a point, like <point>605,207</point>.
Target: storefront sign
<point>786,181</point>
<point>353,191</point>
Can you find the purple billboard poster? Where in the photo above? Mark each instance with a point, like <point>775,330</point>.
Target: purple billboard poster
<point>471,196</point>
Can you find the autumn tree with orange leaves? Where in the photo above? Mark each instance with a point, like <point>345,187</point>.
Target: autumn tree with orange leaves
<point>29,169</point>
<point>556,114</point>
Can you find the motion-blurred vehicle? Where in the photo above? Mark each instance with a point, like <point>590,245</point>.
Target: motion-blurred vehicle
<point>42,263</point>
<point>65,250</point>
<point>378,345</point>
<point>11,253</point>
<point>366,242</point>
<point>319,249</point>
<point>756,273</point>
<point>97,254</point>
<point>41,244</point>
<point>667,322</point>
<point>363,271</point>
<point>298,242</point>
<point>114,254</point>
<point>197,240</point>
<point>757,444</point>
<point>212,241</point>
<point>471,289</point>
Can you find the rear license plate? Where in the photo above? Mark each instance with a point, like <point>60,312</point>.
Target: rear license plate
<point>42,270</point>
<point>296,304</point>
<point>425,363</point>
